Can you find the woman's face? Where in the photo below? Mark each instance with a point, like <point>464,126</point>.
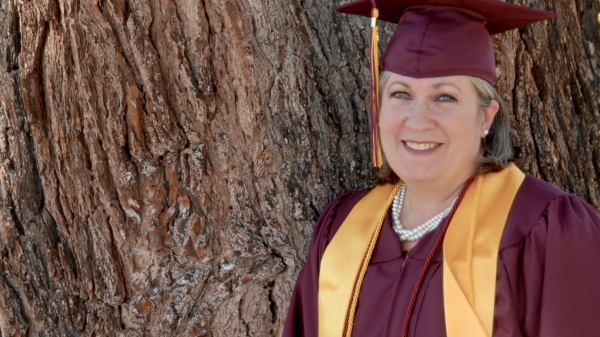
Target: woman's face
<point>431,128</point>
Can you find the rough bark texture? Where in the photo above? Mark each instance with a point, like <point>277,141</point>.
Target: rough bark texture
<point>162,162</point>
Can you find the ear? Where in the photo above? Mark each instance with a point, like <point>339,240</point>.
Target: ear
<point>488,115</point>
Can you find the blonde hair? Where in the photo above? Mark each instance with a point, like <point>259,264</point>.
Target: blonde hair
<point>496,147</point>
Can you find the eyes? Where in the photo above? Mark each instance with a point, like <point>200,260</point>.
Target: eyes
<point>446,98</point>
<point>403,95</point>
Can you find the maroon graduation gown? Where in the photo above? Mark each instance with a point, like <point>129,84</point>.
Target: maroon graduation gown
<point>548,279</point>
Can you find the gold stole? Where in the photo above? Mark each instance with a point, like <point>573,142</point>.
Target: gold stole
<point>470,256</point>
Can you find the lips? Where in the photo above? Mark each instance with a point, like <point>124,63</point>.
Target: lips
<point>421,146</point>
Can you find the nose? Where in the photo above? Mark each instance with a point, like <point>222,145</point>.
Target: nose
<point>420,117</point>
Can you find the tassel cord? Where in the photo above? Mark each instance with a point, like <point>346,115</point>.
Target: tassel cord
<point>436,246</point>
<point>470,243</point>
<point>365,264</point>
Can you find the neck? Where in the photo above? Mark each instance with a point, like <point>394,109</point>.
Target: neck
<point>423,194</point>
<point>422,202</point>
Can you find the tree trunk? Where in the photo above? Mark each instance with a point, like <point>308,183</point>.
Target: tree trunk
<point>162,163</point>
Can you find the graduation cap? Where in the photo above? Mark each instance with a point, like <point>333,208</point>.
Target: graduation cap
<point>436,38</point>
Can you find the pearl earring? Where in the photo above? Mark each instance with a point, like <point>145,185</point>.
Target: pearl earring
<point>485,132</point>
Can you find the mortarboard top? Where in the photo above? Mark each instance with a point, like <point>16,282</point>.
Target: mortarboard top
<point>437,38</point>
<point>501,16</point>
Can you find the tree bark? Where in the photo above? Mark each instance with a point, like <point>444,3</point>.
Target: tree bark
<point>162,163</point>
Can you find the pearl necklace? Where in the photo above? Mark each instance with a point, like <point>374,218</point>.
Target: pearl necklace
<point>420,231</point>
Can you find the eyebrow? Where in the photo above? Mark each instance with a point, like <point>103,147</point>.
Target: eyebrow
<point>435,86</point>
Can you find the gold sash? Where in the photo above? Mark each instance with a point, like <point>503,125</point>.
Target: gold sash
<point>475,282</point>
<point>344,257</point>
<point>470,256</point>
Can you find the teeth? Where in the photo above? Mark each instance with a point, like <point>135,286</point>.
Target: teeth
<point>421,146</point>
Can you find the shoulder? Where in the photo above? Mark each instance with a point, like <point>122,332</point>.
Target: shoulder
<point>335,213</point>
<point>541,204</point>
<point>302,317</point>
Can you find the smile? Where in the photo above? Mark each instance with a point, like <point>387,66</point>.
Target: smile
<point>421,146</point>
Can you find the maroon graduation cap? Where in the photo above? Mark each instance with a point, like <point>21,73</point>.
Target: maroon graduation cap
<point>436,38</point>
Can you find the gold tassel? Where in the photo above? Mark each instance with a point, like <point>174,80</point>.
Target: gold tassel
<point>376,155</point>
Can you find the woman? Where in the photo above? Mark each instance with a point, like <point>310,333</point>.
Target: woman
<point>454,240</point>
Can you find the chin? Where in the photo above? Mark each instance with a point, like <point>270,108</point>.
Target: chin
<point>414,174</point>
